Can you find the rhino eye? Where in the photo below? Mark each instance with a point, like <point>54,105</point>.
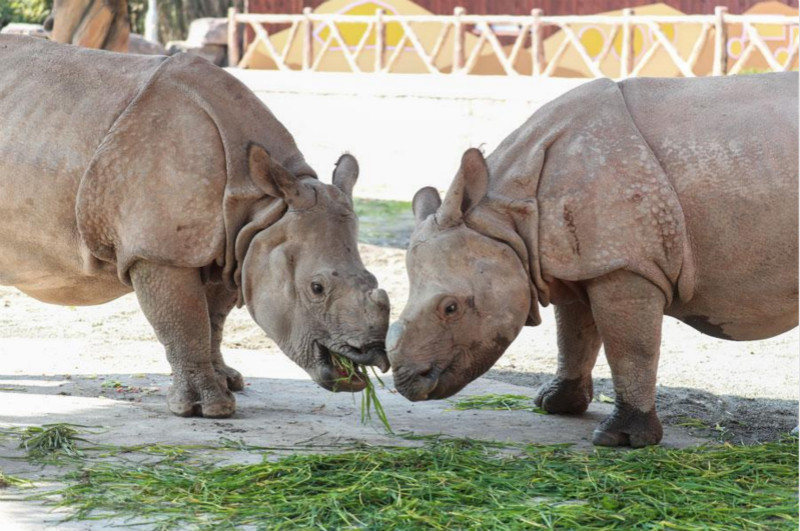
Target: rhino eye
<point>451,308</point>
<point>317,288</point>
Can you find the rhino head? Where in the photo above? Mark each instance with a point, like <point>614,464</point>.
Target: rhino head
<point>302,278</point>
<point>469,293</point>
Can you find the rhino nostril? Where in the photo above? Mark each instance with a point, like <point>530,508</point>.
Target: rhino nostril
<point>430,373</point>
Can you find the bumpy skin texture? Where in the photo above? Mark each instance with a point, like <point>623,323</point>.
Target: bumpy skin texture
<point>168,177</point>
<point>619,203</point>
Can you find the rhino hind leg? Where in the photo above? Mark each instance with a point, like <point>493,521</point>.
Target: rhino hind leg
<point>174,302</point>
<point>220,303</point>
<point>570,392</point>
<point>629,310</point>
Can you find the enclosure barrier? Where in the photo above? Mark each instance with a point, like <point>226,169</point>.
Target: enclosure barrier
<point>449,54</point>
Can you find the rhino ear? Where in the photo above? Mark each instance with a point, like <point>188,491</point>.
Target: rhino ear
<point>275,180</point>
<point>468,188</point>
<point>425,203</point>
<point>345,174</point>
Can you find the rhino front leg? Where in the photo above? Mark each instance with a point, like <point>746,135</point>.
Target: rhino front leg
<point>629,310</point>
<point>174,301</point>
<point>570,392</point>
<point>220,303</point>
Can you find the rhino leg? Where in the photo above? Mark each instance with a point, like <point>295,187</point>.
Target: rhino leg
<point>174,301</point>
<point>629,310</point>
<point>570,392</point>
<point>220,303</point>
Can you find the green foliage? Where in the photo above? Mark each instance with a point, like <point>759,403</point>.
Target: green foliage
<point>454,484</point>
<point>497,403</point>
<point>175,15</point>
<point>50,441</point>
<point>30,11</point>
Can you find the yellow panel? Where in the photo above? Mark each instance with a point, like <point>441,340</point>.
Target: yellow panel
<point>593,41</point>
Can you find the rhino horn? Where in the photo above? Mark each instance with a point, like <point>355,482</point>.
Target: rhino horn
<point>277,181</point>
<point>468,189</point>
<point>425,203</point>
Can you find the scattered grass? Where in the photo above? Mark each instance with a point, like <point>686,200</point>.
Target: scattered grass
<point>50,441</point>
<point>11,481</point>
<point>604,399</point>
<point>369,397</point>
<point>497,403</point>
<point>455,484</point>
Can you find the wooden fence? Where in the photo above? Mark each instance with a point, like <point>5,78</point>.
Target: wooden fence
<point>449,54</point>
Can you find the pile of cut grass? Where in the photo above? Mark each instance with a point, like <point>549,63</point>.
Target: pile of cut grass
<point>496,402</point>
<point>456,485</point>
<point>50,441</point>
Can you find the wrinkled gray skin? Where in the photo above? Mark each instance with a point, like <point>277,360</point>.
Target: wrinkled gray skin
<point>168,177</point>
<point>619,203</point>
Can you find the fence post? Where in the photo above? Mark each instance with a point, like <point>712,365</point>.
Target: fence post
<point>626,61</point>
<point>458,42</point>
<point>308,40</point>
<point>720,67</point>
<point>233,39</point>
<point>537,43</point>
<point>380,40</point>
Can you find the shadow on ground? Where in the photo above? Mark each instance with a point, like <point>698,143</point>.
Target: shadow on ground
<point>728,418</point>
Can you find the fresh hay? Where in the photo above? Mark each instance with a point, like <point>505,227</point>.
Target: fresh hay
<point>455,485</point>
<point>369,397</point>
<point>50,441</point>
<point>497,403</point>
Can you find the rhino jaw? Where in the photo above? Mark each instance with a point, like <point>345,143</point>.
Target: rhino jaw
<point>332,377</point>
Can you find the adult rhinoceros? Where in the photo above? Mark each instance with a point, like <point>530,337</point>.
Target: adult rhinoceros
<point>168,177</point>
<point>618,203</point>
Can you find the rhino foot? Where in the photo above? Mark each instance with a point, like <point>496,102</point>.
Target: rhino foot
<point>232,376</point>
<point>565,396</point>
<point>628,426</point>
<point>200,393</point>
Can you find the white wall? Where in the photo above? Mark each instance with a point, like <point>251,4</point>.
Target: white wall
<point>407,130</point>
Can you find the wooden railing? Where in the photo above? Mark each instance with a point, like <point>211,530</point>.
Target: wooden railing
<point>319,35</point>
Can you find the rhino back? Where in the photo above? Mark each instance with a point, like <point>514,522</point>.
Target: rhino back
<point>730,148</point>
<point>603,201</point>
<point>57,103</point>
<point>170,182</point>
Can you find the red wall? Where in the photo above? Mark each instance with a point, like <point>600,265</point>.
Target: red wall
<point>523,7</point>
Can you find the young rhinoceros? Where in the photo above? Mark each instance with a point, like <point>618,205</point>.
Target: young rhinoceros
<point>619,203</point>
<point>124,173</point>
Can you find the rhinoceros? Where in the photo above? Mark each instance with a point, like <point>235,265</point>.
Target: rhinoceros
<point>618,202</point>
<point>168,177</point>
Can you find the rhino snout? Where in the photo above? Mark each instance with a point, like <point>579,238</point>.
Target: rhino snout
<point>417,383</point>
<point>371,355</point>
<point>414,381</point>
<point>379,298</point>
<point>396,332</point>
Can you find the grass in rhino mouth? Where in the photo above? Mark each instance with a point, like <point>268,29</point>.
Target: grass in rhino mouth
<point>369,397</point>
<point>443,484</point>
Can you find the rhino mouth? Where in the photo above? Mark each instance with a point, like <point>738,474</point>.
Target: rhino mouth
<point>333,374</point>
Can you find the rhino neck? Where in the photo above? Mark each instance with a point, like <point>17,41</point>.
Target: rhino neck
<point>514,222</point>
<point>510,212</point>
<point>265,214</point>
